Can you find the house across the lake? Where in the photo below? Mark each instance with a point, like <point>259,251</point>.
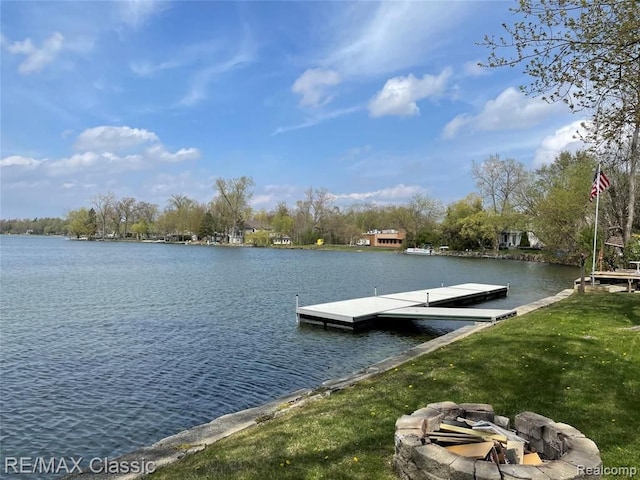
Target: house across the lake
<point>513,239</point>
<point>279,239</point>
<point>383,238</point>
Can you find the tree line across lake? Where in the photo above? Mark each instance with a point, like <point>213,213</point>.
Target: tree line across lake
<point>551,202</point>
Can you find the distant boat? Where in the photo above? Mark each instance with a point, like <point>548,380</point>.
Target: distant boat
<point>419,251</point>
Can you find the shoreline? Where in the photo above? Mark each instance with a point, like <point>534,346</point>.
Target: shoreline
<point>521,255</point>
<point>175,447</point>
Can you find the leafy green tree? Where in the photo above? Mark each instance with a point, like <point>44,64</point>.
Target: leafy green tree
<point>92,223</point>
<point>458,215</point>
<point>282,221</point>
<point>207,226</point>
<point>141,229</point>
<point>82,222</point>
<point>259,238</point>
<point>557,203</point>
<point>145,216</point>
<point>587,55</point>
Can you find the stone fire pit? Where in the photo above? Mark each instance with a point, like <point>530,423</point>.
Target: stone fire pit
<point>566,453</point>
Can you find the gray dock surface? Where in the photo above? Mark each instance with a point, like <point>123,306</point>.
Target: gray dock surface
<point>362,312</point>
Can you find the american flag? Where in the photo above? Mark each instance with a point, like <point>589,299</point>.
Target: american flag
<point>600,184</point>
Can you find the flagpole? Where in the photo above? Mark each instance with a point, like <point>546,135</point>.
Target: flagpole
<point>595,229</point>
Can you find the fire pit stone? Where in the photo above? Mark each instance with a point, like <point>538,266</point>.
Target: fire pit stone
<point>564,452</point>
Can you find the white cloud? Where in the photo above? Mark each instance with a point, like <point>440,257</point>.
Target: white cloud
<point>104,149</point>
<point>457,124</point>
<point>18,161</point>
<point>101,162</point>
<point>317,119</point>
<point>355,153</point>
<point>373,39</point>
<point>564,139</point>
<point>110,139</point>
<point>509,110</point>
<point>147,69</point>
<point>180,56</point>
<point>398,192</point>
<point>400,94</point>
<point>313,84</point>
<point>36,58</point>
<point>184,154</point>
<point>473,69</point>
<point>78,162</point>
<point>135,13</point>
<point>199,84</point>
<point>193,184</point>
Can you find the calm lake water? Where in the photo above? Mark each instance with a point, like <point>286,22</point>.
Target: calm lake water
<point>106,347</point>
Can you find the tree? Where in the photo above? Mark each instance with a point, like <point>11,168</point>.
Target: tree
<point>207,226</point>
<point>125,209</point>
<point>482,227</point>
<point>262,218</point>
<point>557,205</point>
<point>233,199</point>
<point>92,223</point>
<point>617,195</point>
<point>498,182</point>
<point>182,217</point>
<point>418,218</point>
<point>366,217</point>
<point>282,222</point>
<point>258,239</point>
<point>456,226</point>
<point>140,229</point>
<point>82,222</point>
<point>104,205</point>
<point>587,55</point>
<point>145,217</point>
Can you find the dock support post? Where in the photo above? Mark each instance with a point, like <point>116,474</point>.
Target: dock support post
<point>442,284</point>
<point>375,291</point>
<point>427,299</point>
<point>297,314</point>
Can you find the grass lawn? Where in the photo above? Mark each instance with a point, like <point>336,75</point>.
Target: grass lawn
<point>576,362</point>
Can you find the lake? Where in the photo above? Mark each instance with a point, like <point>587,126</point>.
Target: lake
<point>106,347</point>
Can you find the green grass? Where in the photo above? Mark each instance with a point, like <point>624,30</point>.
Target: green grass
<point>576,362</point>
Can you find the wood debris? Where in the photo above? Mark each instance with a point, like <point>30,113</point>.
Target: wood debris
<point>483,440</point>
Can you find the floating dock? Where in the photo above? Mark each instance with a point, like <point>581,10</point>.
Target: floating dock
<point>433,303</point>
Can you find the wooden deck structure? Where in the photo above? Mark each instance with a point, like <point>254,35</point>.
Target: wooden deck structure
<point>434,303</point>
<point>627,278</point>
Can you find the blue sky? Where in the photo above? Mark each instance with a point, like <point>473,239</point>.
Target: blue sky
<point>375,102</point>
